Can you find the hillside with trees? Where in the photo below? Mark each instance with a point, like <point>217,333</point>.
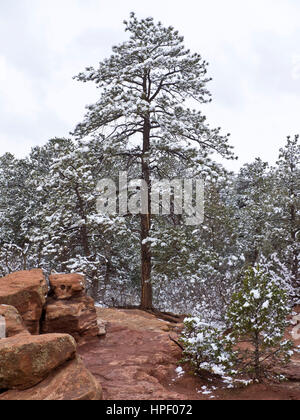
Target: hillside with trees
<point>150,122</point>
<point>48,200</point>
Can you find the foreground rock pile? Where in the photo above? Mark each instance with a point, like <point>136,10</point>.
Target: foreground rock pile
<point>47,366</point>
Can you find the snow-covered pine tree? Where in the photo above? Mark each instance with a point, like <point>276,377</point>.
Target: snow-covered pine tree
<point>146,88</point>
<point>288,202</point>
<point>255,210</point>
<point>16,198</point>
<point>66,232</point>
<point>258,319</point>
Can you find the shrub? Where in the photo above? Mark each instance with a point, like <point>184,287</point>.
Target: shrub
<point>206,347</point>
<point>258,318</point>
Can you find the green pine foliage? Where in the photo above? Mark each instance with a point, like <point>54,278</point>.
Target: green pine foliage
<point>258,319</point>
<point>207,348</point>
<point>253,344</point>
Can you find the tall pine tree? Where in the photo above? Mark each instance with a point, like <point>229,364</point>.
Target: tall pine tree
<point>146,86</point>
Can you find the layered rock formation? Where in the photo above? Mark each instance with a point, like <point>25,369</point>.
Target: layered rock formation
<point>26,291</point>
<point>69,310</point>
<point>45,367</point>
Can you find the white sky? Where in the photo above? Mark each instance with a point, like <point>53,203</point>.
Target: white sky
<point>253,47</point>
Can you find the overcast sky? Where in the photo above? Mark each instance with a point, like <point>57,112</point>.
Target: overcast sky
<point>253,47</point>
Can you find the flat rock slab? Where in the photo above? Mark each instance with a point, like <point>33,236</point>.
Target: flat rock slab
<point>136,360</point>
<point>26,360</point>
<point>135,319</point>
<point>26,291</point>
<point>70,382</point>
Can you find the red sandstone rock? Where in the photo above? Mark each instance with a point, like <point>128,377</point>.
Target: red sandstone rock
<point>13,320</point>
<point>70,382</point>
<point>69,310</point>
<point>76,316</point>
<point>66,286</point>
<point>26,291</point>
<point>26,360</point>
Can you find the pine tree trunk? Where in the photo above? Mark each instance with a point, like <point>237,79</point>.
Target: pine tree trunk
<point>146,297</point>
<point>295,261</point>
<point>257,359</point>
<point>83,229</point>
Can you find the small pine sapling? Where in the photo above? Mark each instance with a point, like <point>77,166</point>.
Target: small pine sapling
<point>258,316</point>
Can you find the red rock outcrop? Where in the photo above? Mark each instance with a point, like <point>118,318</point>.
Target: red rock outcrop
<point>69,310</point>
<point>13,321</point>
<point>26,360</point>
<point>26,291</point>
<point>45,367</point>
<point>66,286</point>
<point>76,317</point>
<point>70,382</point>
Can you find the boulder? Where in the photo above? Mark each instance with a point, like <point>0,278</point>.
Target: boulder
<point>26,360</point>
<point>66,286</point>
<point>70,382</point>
<point>76,316</point>
<point>14,324</point>
<point>69,310</point>
<point>26,291</point>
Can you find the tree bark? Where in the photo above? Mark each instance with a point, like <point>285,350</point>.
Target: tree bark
<point>83,229</point>
<point>257,368</point>
<point>146,296</point>
<point>295,257</point>
<point>293,220</point>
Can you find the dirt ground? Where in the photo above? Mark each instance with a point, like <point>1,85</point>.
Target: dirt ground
<point>136,360</point>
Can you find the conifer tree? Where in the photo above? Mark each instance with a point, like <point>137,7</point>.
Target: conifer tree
<point>288,201</point>
<point>258,318</point>
<point>143,111</point>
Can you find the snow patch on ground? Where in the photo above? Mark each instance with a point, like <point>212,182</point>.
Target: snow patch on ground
<point>207,391</point>
<point>180,372</point>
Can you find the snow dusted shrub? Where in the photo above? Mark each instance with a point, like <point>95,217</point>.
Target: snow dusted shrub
<point>258,318</point>
<point>207,348</point>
